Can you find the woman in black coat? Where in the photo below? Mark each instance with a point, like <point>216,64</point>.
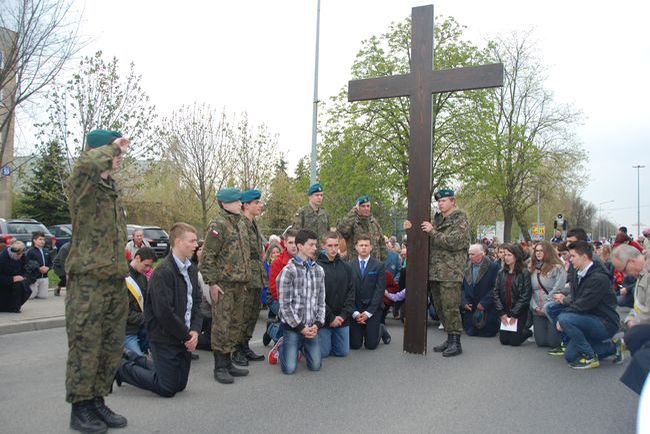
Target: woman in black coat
<point>512,296</point>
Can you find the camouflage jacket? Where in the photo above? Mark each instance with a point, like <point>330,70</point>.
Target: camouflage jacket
<point>448,244</point>
<point>97,216</point>
<point>258,273</point>
<point>226,252</point>
<point>317,221</point>
<point>352,226</point>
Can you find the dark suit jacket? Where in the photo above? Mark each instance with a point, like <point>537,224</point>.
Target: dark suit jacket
<point>369,289</point>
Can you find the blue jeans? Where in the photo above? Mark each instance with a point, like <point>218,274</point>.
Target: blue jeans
<point>131,342</point>
<point>334,342</point>
<point>293,343</point>
<point>274,329</point>
<point>587,335</point>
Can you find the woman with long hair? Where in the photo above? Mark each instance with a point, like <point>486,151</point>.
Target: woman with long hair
<point>547,277</point>
<point>512,297</point>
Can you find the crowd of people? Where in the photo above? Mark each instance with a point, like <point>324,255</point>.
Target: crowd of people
<point>327,289</point>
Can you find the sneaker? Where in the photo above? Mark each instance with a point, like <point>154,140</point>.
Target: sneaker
<point>620,351</point>
<point>585,363</point>
<point>557,351</point>
<point>275,352</point>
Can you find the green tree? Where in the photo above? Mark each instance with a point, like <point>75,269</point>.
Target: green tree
<point>528,149</point>
<point>281,203</point>
<point>256,154</point>
<point>44,198</point>
<point>99,96</point>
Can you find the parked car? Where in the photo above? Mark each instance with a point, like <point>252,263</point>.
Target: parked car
<point>157,238</point>
<point>63,233</point>
<point>22,229</point>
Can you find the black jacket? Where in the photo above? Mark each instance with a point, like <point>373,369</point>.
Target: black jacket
<point>135,317</point>
<point>35,261</point>
<point>519,295</point>
<point>58,263</point>
<point>594,295</point>
<point>339,292</point>
<point>166,301</point>
<point>369,289</point>
<point>9,268</point>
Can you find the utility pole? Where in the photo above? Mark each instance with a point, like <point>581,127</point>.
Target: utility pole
<point>638,199</point>
<point>314,121</point>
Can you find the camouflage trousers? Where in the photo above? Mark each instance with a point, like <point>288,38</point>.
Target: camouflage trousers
<point>251,311</point>
<point>229,318</point>
<point>95,320</point>
<point>446,300</point>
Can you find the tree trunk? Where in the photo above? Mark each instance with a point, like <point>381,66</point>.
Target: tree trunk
<point>508,217</point>
<point>523,227</point>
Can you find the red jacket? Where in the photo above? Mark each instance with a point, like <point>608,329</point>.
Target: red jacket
<point>391,287</point>
<point>276,267</point>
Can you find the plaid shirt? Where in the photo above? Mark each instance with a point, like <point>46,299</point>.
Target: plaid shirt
<point>301,293</point>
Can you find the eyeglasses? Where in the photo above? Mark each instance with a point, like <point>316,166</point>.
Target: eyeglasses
<point>16,251</point>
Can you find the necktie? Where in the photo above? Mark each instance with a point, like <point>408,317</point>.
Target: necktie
<point>363,268</point>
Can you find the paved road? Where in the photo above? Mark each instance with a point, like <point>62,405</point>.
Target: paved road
<point>488,389</point>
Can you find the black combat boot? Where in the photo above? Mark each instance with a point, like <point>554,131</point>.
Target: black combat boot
<point>454,348</point>
<point>221,373</point>
<point>110,418</point>
<point>442,347</point>
<point>385,336</point>
<point>84,418</point>
<point>250,354</point>
<point>239,356</point>
<point>233,370</point>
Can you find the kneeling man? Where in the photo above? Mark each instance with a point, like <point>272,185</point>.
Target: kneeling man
<point>479,315</point>
<point>173,319</point>
<point>589,318</point>
<point>369,280</point>
<point>334,337</point>
<point>301,293</point>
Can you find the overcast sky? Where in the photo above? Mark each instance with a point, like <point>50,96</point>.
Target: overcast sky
<point>258,56</point>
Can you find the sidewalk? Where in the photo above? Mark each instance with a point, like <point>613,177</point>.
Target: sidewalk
<point>36,314</point>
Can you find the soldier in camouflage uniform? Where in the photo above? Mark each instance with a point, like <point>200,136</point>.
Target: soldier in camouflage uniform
<point>449,240</point>
<point>312,216</point>
<point>226,269</point>
<point>251,208</point>
<point>95,304</point>
<point>359,221</point>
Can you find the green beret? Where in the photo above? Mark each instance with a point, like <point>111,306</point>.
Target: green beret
<point>97,138</point>
<point>363,199</point>
<point>250,195</point>
<point>229,195</point>
<point>315,188</point>
<point>443,192</point>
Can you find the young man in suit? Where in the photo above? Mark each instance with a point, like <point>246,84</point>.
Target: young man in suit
<point>369,280</point>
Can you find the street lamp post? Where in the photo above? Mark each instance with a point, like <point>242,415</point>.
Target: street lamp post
<point>638,199</point>
<point>314,121</point>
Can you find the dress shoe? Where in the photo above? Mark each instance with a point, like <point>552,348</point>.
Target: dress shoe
<point>84,418</point>
<point>110,418</point>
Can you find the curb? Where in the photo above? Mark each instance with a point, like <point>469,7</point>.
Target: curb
<point>32,325</point>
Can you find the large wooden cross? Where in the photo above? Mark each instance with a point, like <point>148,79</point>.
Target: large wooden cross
<point>419,86</point>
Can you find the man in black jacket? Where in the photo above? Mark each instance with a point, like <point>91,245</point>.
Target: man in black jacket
<point>173,319</point>
<point>14,289</point>
<point>589,318</point>
<point>334,337</point>
<point>369,280</point>
<point>38,264</point>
